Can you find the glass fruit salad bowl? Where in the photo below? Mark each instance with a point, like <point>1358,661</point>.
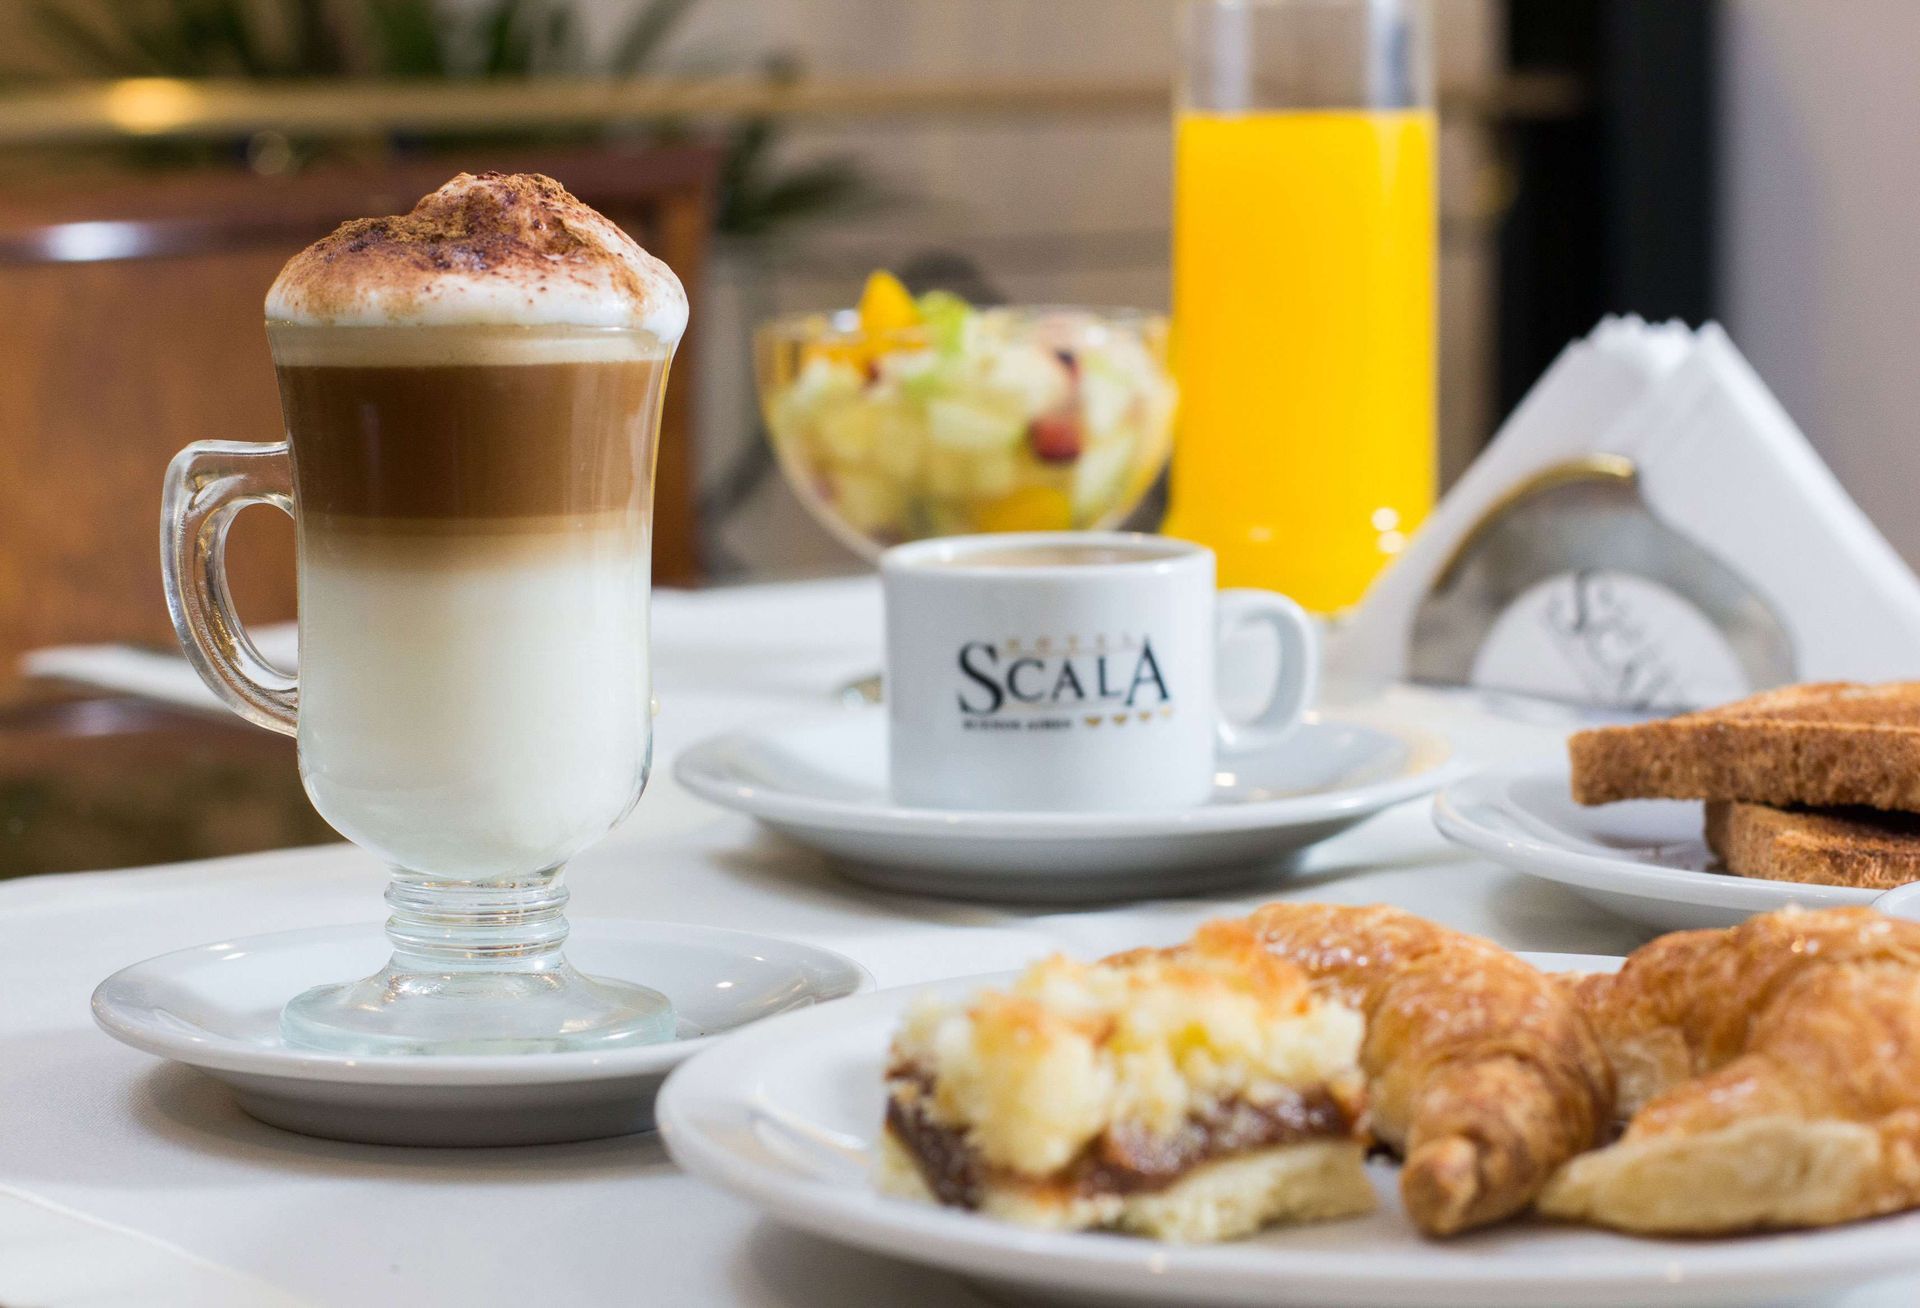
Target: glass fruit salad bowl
<point>911,417</point>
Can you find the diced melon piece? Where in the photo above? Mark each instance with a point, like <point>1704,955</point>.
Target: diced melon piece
<point>944,518</point>
<point>1097,479</point>
<point>851,353</point>
<point>958,425</point>
<point>904,367</point>
<point>947,473</point>
<point>1031,508</point>
<point>899,441</point>
<point>886,306</point>
<point>848,427</point>
<point>820,381</point>
<point>992,475</point>
<point>822,376</point>
<point>869,504</point>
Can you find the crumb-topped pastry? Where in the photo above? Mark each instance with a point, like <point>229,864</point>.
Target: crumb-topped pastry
<point>1191,1094</point>
<point>1770,1072</point>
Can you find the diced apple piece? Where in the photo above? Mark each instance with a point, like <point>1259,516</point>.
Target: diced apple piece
<point>848,428</point>
<point>1097,478</point>
<point>1033,380</point>
<point>958,425</point>
<point>1104,400</point>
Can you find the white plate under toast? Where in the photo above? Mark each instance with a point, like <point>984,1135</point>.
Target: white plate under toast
<point>785,1115</point>
<point>1646,860</point>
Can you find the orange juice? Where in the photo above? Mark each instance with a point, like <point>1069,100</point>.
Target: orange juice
<point>1303,293</point>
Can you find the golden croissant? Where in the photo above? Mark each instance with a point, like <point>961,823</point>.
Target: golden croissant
<point>1772,1071</point>
<point>1481,1072</point>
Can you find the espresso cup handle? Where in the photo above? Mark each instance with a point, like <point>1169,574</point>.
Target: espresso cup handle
<point>208,483</point>
<point>1298,679</point>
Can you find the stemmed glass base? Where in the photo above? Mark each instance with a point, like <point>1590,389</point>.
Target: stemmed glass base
<point>477,968</point>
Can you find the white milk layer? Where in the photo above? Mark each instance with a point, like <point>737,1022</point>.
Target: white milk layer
<point>482,721</point>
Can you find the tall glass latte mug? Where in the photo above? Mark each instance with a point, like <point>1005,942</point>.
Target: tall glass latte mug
<point>1303,290</point>
<point>473,701</point>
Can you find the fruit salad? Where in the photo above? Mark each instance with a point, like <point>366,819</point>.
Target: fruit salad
<point>918,416</point>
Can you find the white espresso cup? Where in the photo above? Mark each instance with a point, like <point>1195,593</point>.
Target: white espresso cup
<point>1072,671</point>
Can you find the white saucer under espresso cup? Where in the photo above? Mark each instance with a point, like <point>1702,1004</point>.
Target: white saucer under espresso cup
<point>1072,671</point>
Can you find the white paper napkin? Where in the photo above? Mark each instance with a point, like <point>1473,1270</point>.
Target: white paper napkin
<point>1718,460</point>
<point>814,635</point>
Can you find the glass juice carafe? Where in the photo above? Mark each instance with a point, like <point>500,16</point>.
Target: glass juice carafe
<point>1303,288</point>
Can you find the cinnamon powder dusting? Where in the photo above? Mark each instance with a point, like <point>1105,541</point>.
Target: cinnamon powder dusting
<point>486,247</point>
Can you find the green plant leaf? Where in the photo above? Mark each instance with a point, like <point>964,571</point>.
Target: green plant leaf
<point>228,28</point>
<point>653,25</point>
<point>187,31</point>
<point>559,48</point>
<point>169,45</point>
<point>506,50</point>
<point>748,147</point>
<point>406,36</point>
<point>314,44</point>
<point>830,186</point>
<point>419,39</point>
<point>96,52</point>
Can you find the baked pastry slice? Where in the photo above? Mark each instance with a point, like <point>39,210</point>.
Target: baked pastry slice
<point>1193,1094</point>
<point>1821,746</point>
<point>1482,1073</point>
<point>1866,848</point>
<point>1772,1071</point>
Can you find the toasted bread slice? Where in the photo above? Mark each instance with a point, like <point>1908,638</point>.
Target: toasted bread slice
<point>1832,745</point>
<point>1835,847</point>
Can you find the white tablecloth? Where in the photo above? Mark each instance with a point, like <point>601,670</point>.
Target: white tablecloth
<point>110,1133</point>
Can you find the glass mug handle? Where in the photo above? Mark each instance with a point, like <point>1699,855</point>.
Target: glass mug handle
<point>208,483</point>
<point>1295,684</point>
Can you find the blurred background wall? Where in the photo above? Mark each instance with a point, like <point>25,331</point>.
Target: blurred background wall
<point>1601,196</point>
<point>1064,207</point>
<point>1073,209</point>
<point>1820,263</point>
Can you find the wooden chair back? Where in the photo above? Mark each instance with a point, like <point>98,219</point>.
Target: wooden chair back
<point>130,325</point>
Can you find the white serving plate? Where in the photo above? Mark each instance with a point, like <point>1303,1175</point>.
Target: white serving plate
<point>217,1008</point>
<point>822,782</point>
<point>785,1116</point>
<point>1644,859</point>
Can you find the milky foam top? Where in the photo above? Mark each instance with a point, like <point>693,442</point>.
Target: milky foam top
<point>486,249</point>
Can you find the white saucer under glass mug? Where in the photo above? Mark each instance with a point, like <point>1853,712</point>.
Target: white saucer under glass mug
<point>473,703</point>
<point>1073,672</point>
